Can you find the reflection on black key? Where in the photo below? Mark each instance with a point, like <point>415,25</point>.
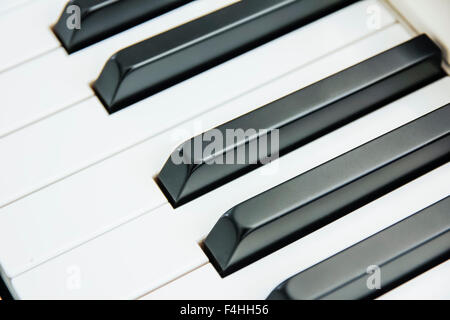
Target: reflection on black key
<point>379,263</point>
<point>164,60</point>
<point>311,200</point>
<point>304,116</point>
<point>100,19</point>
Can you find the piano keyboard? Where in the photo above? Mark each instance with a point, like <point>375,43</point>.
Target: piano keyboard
<point>100,99</point>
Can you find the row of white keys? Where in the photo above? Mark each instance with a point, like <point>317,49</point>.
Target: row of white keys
<point>150,245</point>
<point>26,32</point>
<point>257,280</point>
<point>433,284</point>
<point>77,137</point>
<point>56,80</point>
<point>122,264</point>
<point>54,220</point>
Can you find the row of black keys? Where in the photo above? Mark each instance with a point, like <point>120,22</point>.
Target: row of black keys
<point>162,61</point>
<point>337,187</point>
<point>294,209</point>
<point>301,117</point>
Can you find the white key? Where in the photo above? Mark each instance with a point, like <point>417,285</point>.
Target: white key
<point>258,279</point>
<point>430,17</point>
<point>191,222</point>
<point>6,5</point>
<point>85,134</point>
<point>121,188</point>
<point>121,264</point>
<point>55,81</point>
<point>26,33</point>
<point>433,284</point>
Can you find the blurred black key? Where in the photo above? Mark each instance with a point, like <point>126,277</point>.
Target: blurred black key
<point>100,19</point>
<point>379,263</point>
<point>178,54</point>
<point>4,292</point>
<point>302,117</point>
<point>291,210</point>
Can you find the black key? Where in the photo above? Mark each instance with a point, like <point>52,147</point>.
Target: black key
<point>291,210</point>
<point>392,256</point>
<point>4,292</point>
<point>100,19</point>
<point>178,54</point>
<point>304,116</point>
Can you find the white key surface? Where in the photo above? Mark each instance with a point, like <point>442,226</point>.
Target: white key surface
<point>55,81</point>
<point>258,279</point>
<point>121,188</point>
<point>430,17</point>
<point>122,264</point>
<point>192,222</point>
<point>26,33</point>
<point>6,5</point>
<point>84,134</point>
<point>433,284</point>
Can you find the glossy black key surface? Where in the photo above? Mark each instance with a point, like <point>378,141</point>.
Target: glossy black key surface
<point>394,255</point>
<point>178,54</point>
<point>291,210</point>
<point>4,292</point>
<point>100,19</point>
<point>304,116</point>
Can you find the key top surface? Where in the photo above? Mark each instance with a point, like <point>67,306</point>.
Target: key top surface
<point>162,61</point>
<point>394,255</point>
<point>101,19</point>
<point>300,118</point>
<point>297,207</point>
<point>142,254</point>
<point>6,5</point>
<point>26,34</point>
